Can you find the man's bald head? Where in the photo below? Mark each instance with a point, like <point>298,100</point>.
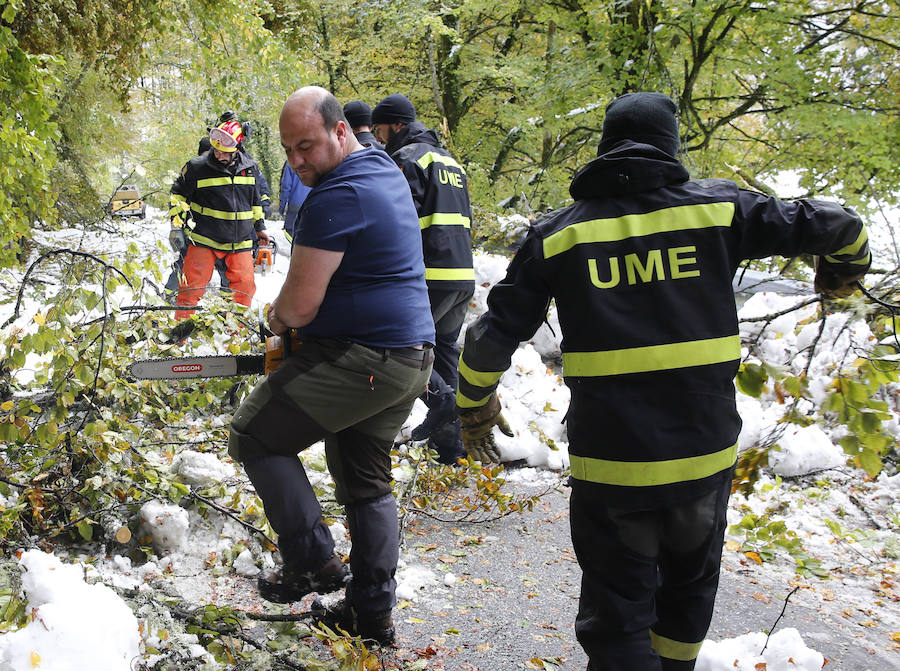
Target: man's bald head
<point>314,133</point>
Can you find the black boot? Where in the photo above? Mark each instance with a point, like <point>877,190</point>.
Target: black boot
<point>288,583</point>
<point>376,626</point>
<point>447,442</point>
<point>441,409</point>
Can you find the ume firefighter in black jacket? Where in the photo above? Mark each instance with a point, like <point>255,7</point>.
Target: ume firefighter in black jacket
<point>640,267</point>
<point>440,192</point>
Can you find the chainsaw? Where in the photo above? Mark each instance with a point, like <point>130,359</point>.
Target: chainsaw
<point>225,365</point>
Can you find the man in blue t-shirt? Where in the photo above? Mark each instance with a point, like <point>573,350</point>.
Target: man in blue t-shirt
<point>355,294</point>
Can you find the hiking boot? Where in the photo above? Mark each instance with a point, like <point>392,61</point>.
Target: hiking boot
<point>375,626</point>
<point>288,584</point>
<point>447,442</point>
<point>442,410</point>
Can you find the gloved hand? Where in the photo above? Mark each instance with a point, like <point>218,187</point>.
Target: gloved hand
<point>177,239</point>
<point>477,430</point>
<point>833,284</point>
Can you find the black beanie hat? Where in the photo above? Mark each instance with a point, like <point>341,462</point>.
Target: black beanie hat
<point>648,118</point>
<point>204,145</point>
<point>358,114</point>
<point>395,108</point>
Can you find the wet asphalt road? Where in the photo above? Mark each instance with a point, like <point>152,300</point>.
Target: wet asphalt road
<point>515,597</point>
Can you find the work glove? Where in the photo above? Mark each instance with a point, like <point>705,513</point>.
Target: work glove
<point>477,430</point>
<point>177,239</point>
<point>832,284</point>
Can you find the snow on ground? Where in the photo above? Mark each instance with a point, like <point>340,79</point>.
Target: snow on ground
<point>79,620</point>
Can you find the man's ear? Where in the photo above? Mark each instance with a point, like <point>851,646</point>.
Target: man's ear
<point>342,131</point>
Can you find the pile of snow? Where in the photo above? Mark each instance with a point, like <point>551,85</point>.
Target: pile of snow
<point>784,651</point>
<point>74,625</point>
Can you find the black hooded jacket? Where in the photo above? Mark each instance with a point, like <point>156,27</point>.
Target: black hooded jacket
<point>441,195</point>
<point>641,268</point>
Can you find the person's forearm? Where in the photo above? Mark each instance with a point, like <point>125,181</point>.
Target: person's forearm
<point>287,314</point>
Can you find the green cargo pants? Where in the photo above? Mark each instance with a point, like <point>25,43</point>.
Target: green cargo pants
<point>356,399</point>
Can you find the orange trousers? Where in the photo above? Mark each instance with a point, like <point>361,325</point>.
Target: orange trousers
<point>197,270</point>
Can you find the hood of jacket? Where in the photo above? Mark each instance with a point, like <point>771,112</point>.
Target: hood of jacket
<point>412,133</point>
<point>629,167</point>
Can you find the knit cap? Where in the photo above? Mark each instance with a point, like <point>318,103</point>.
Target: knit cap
<point>396,108</point>
<point>358,114</point>
<point>645,117</point>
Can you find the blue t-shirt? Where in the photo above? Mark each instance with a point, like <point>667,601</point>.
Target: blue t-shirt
<point>377,296</point>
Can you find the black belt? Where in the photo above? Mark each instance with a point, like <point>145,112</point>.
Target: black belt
<point>408,356</point>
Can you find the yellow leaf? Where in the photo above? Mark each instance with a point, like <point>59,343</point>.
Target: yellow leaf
<point>754,556</point>
<point>416,620</point>
<point>35,659</point>
<point>40,320</point>
<point>732,546</point>
<point>896,637</point>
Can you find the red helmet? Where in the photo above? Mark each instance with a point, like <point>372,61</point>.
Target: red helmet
<point>226,136</point>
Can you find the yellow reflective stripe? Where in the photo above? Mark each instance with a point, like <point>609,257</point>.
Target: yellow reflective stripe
<point>650,473</point>
<point>652,357</point>
<point>434,157</point>
<point>215,244</point>
<point>682,218</point>
<point>213,181</point>
<point>859,262</point>
<point>445,219</point>
<point>258,212</point>
<point>478,378</point>
<point>854,246</point>
<point>671,649</point>
<point>221,214</point>
<point>224,181</point>
<point>465,402</point>
<point>449,274</point>
<point>289,237</point>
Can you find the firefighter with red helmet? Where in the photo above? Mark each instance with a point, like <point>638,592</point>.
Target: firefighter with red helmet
<point>219,191</point>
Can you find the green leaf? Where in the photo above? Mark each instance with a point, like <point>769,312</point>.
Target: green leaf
<point>85,530</point>
<point>751,379</point>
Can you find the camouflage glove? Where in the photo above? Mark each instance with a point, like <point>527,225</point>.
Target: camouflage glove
<point>832,284</point>
<point>477,433</point>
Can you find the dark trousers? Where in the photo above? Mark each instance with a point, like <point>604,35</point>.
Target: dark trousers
<point>356,400</point>
<point>649,579</point>
<point>448,309</point>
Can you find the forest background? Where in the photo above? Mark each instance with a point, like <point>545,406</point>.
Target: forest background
<point>98,93</point>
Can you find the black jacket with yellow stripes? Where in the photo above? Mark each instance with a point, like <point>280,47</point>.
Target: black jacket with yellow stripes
<point>441,194</point>
<point>641,268</point>
<point>223,202</point>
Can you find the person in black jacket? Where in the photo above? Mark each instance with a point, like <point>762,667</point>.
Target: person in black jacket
<point>359,116</point>
<point>440,192</point>
<point>641,268</point>
<point>219,191</point>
